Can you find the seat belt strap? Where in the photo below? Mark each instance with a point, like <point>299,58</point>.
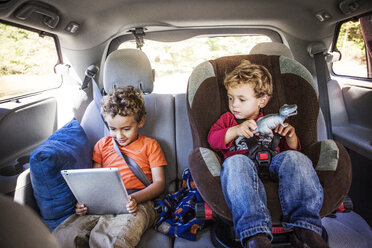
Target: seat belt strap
<point>90,73</point>
<point>133,166</point>
<point>323,77</point>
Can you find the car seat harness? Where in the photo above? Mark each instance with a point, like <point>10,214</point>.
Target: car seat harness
<point>261,149</point>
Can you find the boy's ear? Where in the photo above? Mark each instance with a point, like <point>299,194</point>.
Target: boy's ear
<point>142,121</point>
<point>264,100</point>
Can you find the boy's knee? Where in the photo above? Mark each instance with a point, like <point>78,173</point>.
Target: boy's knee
<point>295,160</point>
<point>296,157</point>
<point>238,162</point>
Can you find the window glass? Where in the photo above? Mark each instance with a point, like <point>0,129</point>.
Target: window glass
<point>351,45</point>
<point>174,61</point>
<point>27,62</point>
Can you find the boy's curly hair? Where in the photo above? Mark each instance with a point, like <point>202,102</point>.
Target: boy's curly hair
<point>255,75</point>
<point>124,101</point>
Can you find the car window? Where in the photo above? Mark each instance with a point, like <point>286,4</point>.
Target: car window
<point>27,62</point>
<point>351,43</point>
<point>174,61</point>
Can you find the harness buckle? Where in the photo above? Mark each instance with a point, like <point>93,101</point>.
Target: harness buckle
<point>263,159</point>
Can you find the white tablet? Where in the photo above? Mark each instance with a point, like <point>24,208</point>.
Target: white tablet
<point>100,189</point>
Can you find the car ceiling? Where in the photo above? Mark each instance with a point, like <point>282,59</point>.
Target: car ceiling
<point>102,20</point>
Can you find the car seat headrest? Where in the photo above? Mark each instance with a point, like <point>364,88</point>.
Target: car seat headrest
<point>293,84</point>
<point>272,48</point>
<point>128,67</point>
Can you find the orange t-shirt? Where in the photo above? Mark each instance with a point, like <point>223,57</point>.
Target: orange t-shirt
<point>145,151</point>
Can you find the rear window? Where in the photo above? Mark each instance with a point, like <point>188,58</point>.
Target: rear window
<point>174,61</point>
<point>27,62</point>
<point>351,43</point>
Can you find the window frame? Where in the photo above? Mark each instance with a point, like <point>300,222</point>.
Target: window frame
<point>187,33</point>
<point>58,52</point>
<point>179,35</point>
<point>335,49</point>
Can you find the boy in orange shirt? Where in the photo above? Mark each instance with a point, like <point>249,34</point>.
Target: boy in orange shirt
<point>124,112</point>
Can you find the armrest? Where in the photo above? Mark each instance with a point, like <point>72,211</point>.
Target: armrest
<point>211,160</point>
<point>24,194</point>
<point>333,166</point>
<point>355,137</point>
<point>205,168</point>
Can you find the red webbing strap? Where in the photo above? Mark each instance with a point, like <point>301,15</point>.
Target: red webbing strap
<point>279,230</point>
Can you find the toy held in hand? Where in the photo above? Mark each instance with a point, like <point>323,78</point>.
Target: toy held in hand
<point>267,123</point>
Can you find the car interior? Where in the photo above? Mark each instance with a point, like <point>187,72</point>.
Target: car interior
<point>58,58</point>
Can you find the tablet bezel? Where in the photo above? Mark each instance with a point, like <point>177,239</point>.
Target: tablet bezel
<point>101,189</point>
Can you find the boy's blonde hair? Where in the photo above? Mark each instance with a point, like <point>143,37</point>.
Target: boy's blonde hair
<point>124,101</point>
<point>255,75</point>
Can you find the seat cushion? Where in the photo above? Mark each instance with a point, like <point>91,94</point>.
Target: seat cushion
<point>67,148</point>
<point>203,240</point>
<point>152,238</point>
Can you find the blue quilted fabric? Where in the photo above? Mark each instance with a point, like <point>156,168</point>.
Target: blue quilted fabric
<point>67,148</point>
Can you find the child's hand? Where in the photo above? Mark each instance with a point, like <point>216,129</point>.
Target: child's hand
<point>132,205</point>
<point>245,129</point>
<point>81,209</point>
<point>289,133</point>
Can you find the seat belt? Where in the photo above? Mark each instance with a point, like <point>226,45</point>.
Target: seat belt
<point>323,77</point>
<point>133,166</point>
<point>90,74</point>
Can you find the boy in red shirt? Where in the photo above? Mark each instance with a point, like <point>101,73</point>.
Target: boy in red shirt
<point>124,112</point>
<point>249,88</point>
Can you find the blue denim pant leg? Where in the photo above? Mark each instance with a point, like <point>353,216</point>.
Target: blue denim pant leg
<point>245,195</point>
<point>300,192</point>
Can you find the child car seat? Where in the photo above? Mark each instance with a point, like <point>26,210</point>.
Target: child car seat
<point>293,84</point>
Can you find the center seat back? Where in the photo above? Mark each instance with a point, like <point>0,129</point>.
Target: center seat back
<point>131,67</point>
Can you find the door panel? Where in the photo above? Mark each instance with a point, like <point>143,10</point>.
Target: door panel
<point>23,126</point>
<point>351,102</point>
<point>352,126</point>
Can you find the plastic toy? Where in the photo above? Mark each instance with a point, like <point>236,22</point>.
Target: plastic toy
<point>267,123</point>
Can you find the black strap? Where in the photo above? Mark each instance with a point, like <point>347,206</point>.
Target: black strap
<point>322,75</point>
<point>133,166</point>
<point>261,153</point>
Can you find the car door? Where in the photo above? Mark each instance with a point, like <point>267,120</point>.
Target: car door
<point>351,102</point>
<point>29,92</point>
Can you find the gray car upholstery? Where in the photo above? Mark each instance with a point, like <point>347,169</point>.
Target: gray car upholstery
<point>21,227</point>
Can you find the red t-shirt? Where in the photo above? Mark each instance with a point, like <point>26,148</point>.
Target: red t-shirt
<point>145,151</point>
<point>216,136</point>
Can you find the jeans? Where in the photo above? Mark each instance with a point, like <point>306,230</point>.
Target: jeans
<point>300,193</point>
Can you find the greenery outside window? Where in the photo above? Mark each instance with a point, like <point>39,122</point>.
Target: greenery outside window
<point>27,62</point>
<point>352,47</point>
